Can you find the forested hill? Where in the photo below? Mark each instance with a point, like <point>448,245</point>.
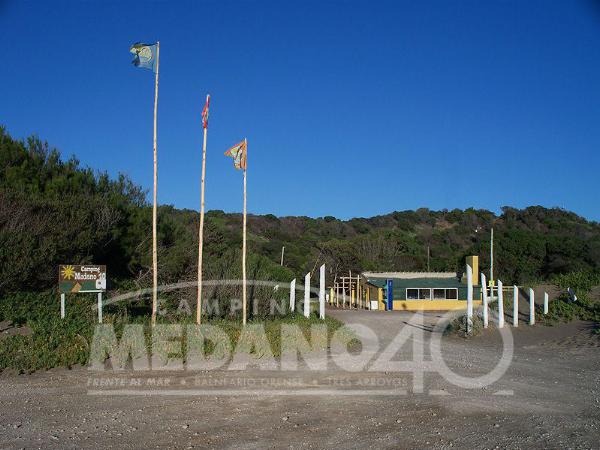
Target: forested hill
<point>54,211</point>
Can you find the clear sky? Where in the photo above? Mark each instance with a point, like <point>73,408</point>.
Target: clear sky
<point>350,108</point>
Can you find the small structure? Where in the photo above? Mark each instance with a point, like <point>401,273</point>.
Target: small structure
<point>421,291</point>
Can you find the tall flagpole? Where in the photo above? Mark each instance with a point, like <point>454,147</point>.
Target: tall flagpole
<point>244,239</point>
<point>201,230</point>
<point>154,253</point>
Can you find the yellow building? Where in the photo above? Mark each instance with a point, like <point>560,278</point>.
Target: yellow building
<point>421,291</point>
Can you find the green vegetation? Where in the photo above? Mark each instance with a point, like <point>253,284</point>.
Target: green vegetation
<point>54,211</point>
<point>458,326</point>
<point>563,309</point>
<point>66,343</point>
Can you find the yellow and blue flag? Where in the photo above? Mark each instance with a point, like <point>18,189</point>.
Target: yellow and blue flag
<point>238,153</point>
<point>144,55</point>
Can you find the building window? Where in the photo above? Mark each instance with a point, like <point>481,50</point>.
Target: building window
<point>424,294</point>
<point>412,294</point>
<point>452,294</point>
<point>435,294</point>
<point>439,294</point>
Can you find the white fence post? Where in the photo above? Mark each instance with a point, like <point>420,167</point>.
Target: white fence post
<point>469,299</point>
<point>293,296</point>
<point>484,299</point>
<point>531,307</point>
<point>545,303</point>
<point>62,305</point>
<point>99,307</point>
<point>307,295</point>
<point>322,292</point>
<point>515,306</point>
<point>500,305</point>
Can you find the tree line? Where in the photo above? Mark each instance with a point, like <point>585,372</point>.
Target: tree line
<point>55,211</point>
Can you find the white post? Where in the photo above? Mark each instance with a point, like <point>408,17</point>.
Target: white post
<point>201,227</point>
<point>484,298</point>
<point>62,305</point>
<point>244,239</point>
<point>492,258</point>
<point>293,296</point>
<point>322,292</point>
<point>99,307</point>
<point>154,206</point>
<point>545,303</point>
<point>500,305</point>
<point>307,295</point>
<point>343,297</point>
<point>531,307</point>
<point>515,306</point>
<point>469,299</point>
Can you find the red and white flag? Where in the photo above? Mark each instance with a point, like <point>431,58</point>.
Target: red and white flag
<point>205,113</point>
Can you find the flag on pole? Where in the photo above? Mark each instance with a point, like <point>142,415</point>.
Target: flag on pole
<point>205,112</point>
<point>144,55</point>
<point>238,153</point>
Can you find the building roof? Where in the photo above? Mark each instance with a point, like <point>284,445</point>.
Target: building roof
<point>400,283</point>
<point>408,275</point>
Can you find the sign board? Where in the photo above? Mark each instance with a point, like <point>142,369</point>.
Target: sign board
<point>75,278</point>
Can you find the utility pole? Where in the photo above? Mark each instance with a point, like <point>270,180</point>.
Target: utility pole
<point>282,251</point>
<point>428,258</point>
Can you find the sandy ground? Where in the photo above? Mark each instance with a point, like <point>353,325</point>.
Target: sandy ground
<point>549,397</point>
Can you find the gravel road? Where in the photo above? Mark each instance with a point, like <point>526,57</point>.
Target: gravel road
<point>549,397</point>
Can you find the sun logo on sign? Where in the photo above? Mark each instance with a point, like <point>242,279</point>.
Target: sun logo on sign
<point>68,272</point>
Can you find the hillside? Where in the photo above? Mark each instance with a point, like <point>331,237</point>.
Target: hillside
<point>54,211</point>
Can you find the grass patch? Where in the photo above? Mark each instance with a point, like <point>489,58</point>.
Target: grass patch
<point>57,342</point>
<point>563,309</point>
<point>458,326</point>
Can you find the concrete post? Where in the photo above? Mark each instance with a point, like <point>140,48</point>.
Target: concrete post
<point>293,296</point>
<point>62,305</point>
<point>469,299</point>
<point>99,307</point>
<point>545,303</point>
<point>515,306</point>
<point>307,295</point>
<point>484,298</point>
<point>322,292</point>
<point>531,307</point>
<point>500,305</point>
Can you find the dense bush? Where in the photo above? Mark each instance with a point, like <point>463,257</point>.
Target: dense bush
<point>53,212</point>
<point>563,309</point>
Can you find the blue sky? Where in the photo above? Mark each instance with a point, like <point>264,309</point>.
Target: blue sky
<point>350,108</point>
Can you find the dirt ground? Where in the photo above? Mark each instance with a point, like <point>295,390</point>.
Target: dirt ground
<point>549,397</point>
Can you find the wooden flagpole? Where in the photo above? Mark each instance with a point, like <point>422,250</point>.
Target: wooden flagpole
<point>154,252</point>
<point>244,239</point>
<point>201,229</point>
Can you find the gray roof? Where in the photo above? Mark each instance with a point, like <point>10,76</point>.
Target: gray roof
<point>408,275</point>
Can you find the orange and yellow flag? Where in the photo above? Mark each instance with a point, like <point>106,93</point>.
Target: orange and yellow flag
<point>238,153</point>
